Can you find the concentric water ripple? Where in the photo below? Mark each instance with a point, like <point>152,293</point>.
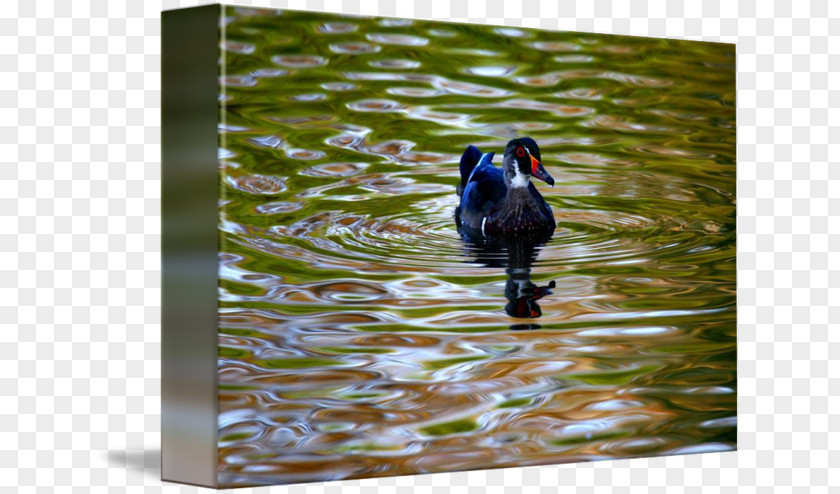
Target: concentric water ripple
<point>360,335</point>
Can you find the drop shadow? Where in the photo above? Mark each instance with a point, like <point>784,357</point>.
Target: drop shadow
<point>147,461</point>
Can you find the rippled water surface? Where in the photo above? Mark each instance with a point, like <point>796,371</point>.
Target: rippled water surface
<point>360,335</point>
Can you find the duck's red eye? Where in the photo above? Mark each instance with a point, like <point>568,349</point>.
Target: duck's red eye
<point>520,152</point>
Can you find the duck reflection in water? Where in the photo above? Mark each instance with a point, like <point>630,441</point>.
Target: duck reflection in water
<point>516,256</point>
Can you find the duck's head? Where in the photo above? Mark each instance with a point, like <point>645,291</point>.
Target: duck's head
<point>521,161</point>
<point>522,296</point>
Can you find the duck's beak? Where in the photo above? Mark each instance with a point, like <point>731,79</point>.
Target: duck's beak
<point>538,171</point>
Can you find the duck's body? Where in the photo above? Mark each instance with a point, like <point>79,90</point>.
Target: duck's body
<point>503,201</point>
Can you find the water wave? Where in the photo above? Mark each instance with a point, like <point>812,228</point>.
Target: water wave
<point>361,335</point>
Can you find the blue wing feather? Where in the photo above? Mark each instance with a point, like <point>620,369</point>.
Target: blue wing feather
<point>469,160</point>
<point>485,187</point>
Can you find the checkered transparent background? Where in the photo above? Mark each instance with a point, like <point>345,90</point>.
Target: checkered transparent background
<point>80,244</point>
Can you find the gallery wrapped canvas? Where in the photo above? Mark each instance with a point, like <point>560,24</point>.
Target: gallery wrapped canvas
<point>398,246</point>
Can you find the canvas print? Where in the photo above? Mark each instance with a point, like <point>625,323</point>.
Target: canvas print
<point>449,247</point>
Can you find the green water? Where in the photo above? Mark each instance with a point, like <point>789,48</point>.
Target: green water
<point>362,336</point>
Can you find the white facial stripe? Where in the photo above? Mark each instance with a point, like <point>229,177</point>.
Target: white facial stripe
<point>519,180</point>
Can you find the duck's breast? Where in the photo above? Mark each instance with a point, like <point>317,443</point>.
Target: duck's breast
<point>523,210</point>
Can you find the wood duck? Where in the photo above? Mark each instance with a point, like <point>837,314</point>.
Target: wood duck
<point>503,201</point>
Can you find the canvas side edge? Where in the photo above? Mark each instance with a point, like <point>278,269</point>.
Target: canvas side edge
<point>189,316</point>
